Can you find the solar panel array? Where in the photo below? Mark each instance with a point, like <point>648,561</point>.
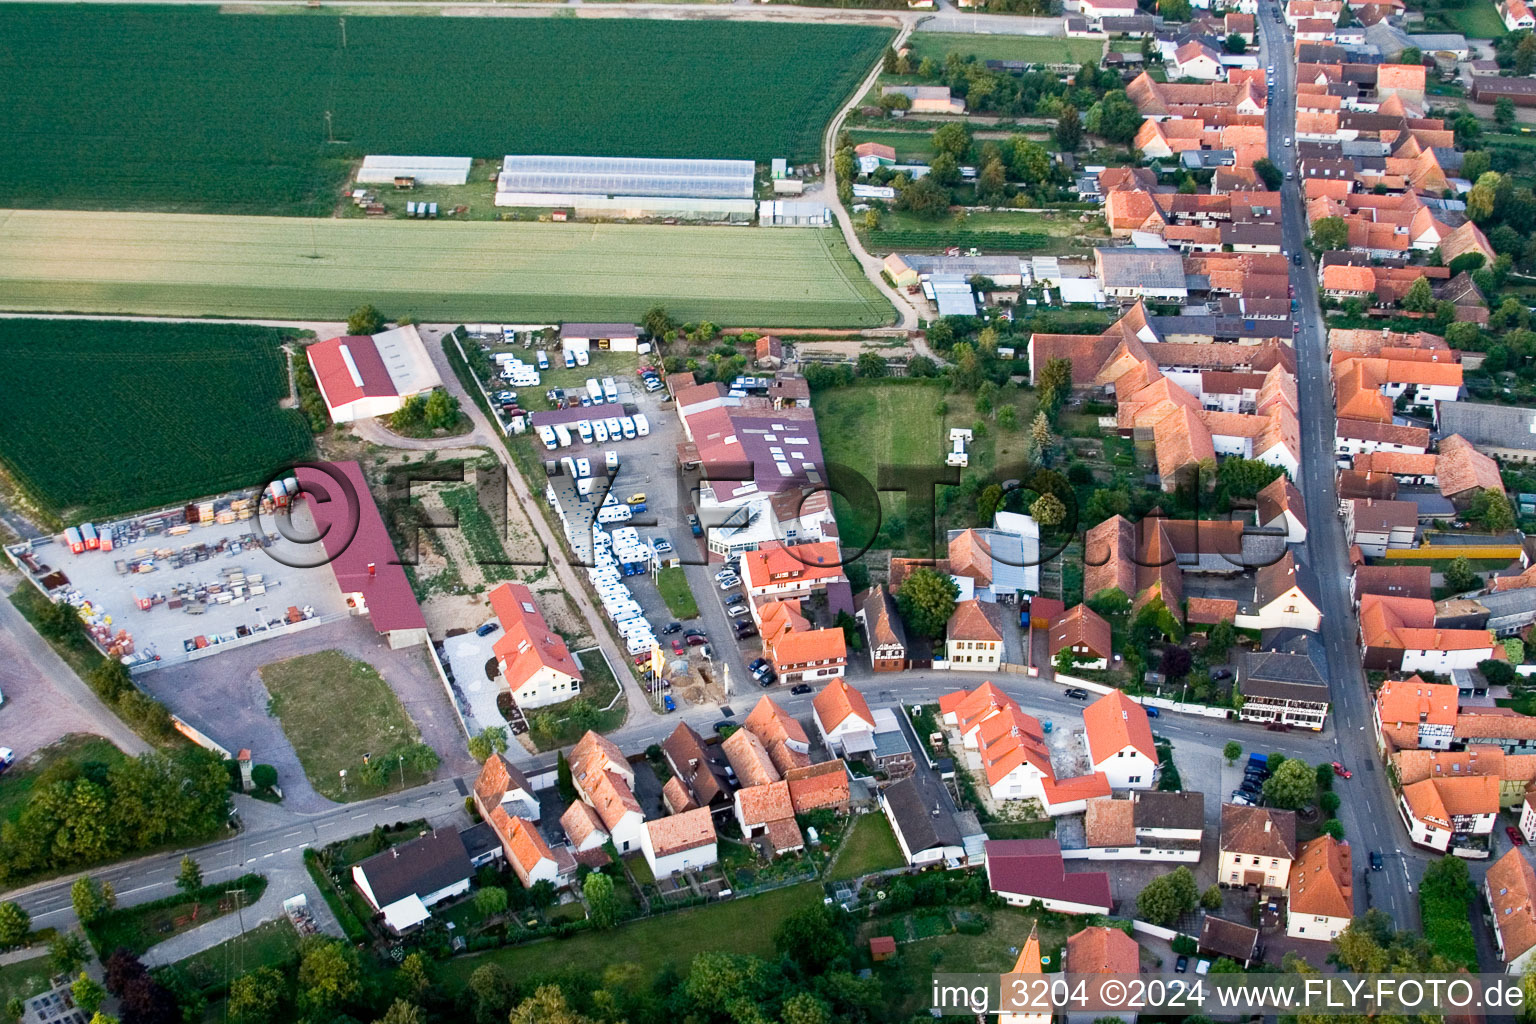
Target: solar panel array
<point>629,176</point>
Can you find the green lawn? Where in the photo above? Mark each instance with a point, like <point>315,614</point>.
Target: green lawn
<point>1477,20</point>
<point>139,927</point>
<point>24,979</point>
<point>173,382</point>
<point>308,695</point>
<point>265,945</point>
<point>743,925</point>
<point>1043,49</point>
<point>16,785</point>
<point>673,583</point>
<point>560,725</point>
<point>989,230</point>
<point>1020,829</point>
<point>913,433</point>
<point>910,147</point>
<point>186,265</point>
<point>870,847</point>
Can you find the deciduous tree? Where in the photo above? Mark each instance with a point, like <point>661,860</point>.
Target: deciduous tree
<point>254,997</point>
<point>15,923</point>
<point>189,878</point>
<point>1232,751</point>
<point>926,600</point>
<point>1291,786</point>
<point>1167,896</point>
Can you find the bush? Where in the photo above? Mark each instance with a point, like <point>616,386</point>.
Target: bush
<point>1184,945</point>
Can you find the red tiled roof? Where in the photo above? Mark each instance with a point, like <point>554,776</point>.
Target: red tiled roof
<point>527,644</point>
<point>1114,722</point>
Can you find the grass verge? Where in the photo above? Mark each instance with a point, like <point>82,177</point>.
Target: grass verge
<point>673,584</point>
<point>267,945</point>
<point>139,927</point>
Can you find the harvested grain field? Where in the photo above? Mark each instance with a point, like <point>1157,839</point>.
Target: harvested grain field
<point>295,269</point>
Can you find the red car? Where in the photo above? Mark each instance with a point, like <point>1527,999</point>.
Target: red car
<point>677,646</point>
<point>1341,771</point>
<point>1514,835</point>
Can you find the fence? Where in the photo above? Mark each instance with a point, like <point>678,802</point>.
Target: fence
<point>453,699</point>
<point>200,738</point>
<point>1166,934</point>
<point>1435,552</point>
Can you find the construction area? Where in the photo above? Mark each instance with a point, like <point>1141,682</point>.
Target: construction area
<point>187,582</point>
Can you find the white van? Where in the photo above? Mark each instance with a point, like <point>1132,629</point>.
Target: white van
<point>542,358</point>
<point>615,429</point>
<point>610,389</point>
<point>581,357</point>
<point>600,431</point>
<point>562,435</point>
<point>583,467</point>
<point>628,425</point>
<point>584,428</point>
<point>594,391</point>
<point>611,461</point>
<point>642,425</point>
<point>547,435</point>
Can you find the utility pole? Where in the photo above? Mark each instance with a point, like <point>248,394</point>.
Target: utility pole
<point>402,773</point>
<point>330,136</point>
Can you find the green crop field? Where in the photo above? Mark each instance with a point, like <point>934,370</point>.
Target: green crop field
<point>1045,49</point>
<point>292,268</point>
<point>142,107</point>
<point>105,417</point>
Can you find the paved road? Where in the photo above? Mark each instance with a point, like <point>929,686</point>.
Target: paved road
<point>1367,811</point>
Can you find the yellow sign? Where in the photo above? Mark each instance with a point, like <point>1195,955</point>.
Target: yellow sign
<point>658,659</point>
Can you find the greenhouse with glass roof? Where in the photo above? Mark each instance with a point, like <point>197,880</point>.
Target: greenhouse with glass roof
<point>630,187</point>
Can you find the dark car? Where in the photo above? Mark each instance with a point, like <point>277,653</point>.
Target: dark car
<point>722,726</point>
<point>1181,965</point>
<point>1077,693</point>
<point>695,639</point>
<point>1296,258</point>
<point>1376,864</point>
<point>756,663</point>
<point>693,631</point>
<point>800,688</point>
<point>670,628</point>
<point>488,629</point>
<point>745,628</point>
<point>768,679</point>
<point>1514,835</point>
<point>1222,673</point>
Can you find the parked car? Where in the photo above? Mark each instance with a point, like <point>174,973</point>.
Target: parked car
<point>488,629</point>
<point>668,703</point>
<point>1514,835</point>
<point>694,527</point>
<point>1296,259</point>
<point>1181,965</point>
<point>7,758</point>
<point>636,499</point>
<point>1341,771</point>
<point>708,652</point>
<point>1077,693</point>
<point>1152,712</point>
<point>1376,862</point>
<point>725,574</point>
<point>736,607</point>
<point>1240,799</point>
<point>661,544</point>
<point>800,689</point>
<point>677,646</point>
<point>695,639</point>
<point>693,631</point>
<point>767,679</point>
<point>1221,673</point>
<point>744,629</point>
<point>730,583</point>
<point>670,628</point>
<point>756,663</point>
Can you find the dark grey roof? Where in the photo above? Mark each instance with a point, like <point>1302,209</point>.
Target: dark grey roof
<point>1500,603</point>
<point>479,840</point>
<point>921,826</point>
<point>1283,676</point>
<point>1154,809</point>
<point>1238,941</point>
<point>421,866</point>
<point>1218,326</point>
<point>1503,426</point>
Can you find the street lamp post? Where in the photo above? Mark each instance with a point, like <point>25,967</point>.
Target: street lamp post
<point>343,774</point>
<point>402,773</point>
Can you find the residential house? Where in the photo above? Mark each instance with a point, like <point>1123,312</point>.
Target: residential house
<point>1375,526</point>
<point>782,735</point>
<point>1528,815</point>
<point>1030,872</point>
<point>1156,275</point>
<point>501,784</point>
<point>1119,741</point>
<point>585,831</point>
<point>1281,598</point>
<point>1148,826</point>
<point>1322,890</point>
<point>1398,634</point>
<point>1506,432</point>
<point>973,638</point>
<point>1451,814</point>
<point>769,353</point>
<point>927,99</point>
<point>819,786</point>
<point>1516,15</point>
<point>699,766</point>
<point>1510,888</point>
<point>1257,847</point>
<point>1100,949</point>
<point>777,571</point>
<point>1514,772</point>
<point>1085,635</point>
<point>802,655</point>
<point>529,856</point>
<point>603,778</point>
<point>883,630</point>
<point>768,811</point>
<point>1414,715</point>
<point>926,834</point>
<point>679,842</point>
<point>844,720</point>
<point>1223,938</point>
<point>534,660</point>
<point>1280,506</point>
<point>404,882</point>
<point>1392,581</point>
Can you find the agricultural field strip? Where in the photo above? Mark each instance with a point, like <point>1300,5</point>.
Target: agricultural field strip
<point>179,264</point>
<point>189,109</point>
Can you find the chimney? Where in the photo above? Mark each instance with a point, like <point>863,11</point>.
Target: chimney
<point>372,570</point>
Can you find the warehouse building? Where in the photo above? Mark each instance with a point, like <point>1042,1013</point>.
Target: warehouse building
<point>417,170</point>
<point>630,188</point>
<point>362,377</point>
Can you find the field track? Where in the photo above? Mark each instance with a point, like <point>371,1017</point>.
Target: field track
<point>292,268</point>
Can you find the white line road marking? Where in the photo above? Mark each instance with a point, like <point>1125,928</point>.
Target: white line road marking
<point>265,856</point>
<point>286,850</point>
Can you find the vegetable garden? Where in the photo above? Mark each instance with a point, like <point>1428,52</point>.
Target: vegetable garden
<point>194,110</point>
<point>106,417</point>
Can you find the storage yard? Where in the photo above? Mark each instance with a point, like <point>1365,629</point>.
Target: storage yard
<point>156,589</point>
<point>104,418</point>
<point>194,109</point>
<point>288,268</point>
